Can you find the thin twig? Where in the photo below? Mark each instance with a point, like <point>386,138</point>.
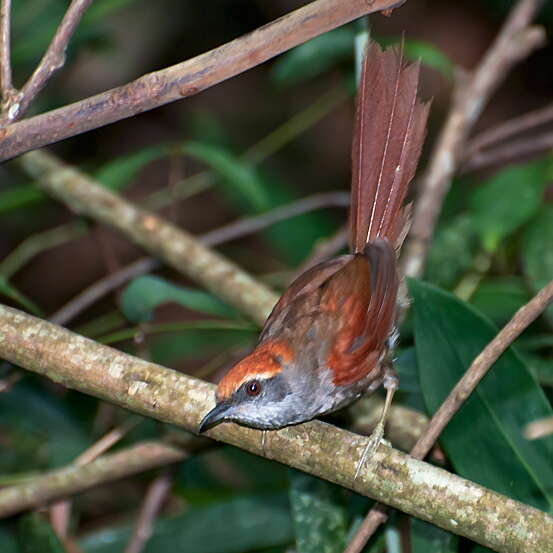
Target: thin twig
<point>513,43</point>
<point>52,61</point>
<point>326,451</point>
<point>60,512</point>
<point>6,84</point>
<point>153,501</point>
<point>509,153</point>
<point>187,78</point>
<point>525,316</point>
<point>101,287</point>
<point>36,244</point>
<point>237,229</point>
<point>250,225</point>
<point>508,129</point>
<point>295,126</point>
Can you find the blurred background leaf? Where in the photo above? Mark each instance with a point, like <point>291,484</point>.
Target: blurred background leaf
<point>36,535</point>
<point>508,200</point>
<point>233,526</point>
<point>144,294</point>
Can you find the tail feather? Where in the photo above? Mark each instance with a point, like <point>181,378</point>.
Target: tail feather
<point>390,129</point>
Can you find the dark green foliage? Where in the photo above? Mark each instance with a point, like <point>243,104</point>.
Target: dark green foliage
<point>426,538</point>
<point>36,535</point>
<point>448,336</point>
<point>228,526</point>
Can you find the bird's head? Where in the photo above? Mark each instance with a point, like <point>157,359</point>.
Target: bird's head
<point>258,391</point>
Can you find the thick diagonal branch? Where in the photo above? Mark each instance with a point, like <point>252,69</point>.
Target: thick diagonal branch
<point>186,78</point>
<point>331,453</point>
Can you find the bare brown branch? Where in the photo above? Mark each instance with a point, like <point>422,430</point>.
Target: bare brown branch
<point>326,451</point>
<point>510,152</point>
<point>153,501</point>
<point>60,512</point>
<point>74,479</point>
<point>6,85</point>
<point>52,61</point>
<point>508,129</point>
<point>187,78</point>
<point>513,43</point>
<point>525,316</point>
<point>249,225</point>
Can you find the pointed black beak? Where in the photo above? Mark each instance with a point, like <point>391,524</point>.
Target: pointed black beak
<point>214,417</point>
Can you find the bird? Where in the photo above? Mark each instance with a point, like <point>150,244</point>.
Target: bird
<point>330,337</point>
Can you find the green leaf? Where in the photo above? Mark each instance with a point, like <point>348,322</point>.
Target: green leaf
<point>313,57</point>
<point>145,293</point>
<point>452,251</point>
<point>507,201</point>
<point>409,387</point>
<point>537,253</point>
<point>430,56</point>
<point>117,173</point>
<point>235,526</point>
<point>238,177</point>
<point>485,439</point>
<point>499,298</point>
<point>43,431</point>
<point>36,535</point>
<point>427,538</point>
<point>319,519</point>
<point>20,196</point>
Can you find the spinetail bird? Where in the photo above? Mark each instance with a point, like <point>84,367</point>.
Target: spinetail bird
<point>328,339</point>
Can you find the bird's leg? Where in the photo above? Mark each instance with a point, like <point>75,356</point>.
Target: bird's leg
<point>390,384</point>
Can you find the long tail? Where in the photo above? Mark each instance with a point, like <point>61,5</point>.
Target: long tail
<point>387,142</point>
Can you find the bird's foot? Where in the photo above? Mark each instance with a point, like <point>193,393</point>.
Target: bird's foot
<point>375,439</point>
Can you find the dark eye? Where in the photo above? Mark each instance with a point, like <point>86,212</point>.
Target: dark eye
<point>253,388</point>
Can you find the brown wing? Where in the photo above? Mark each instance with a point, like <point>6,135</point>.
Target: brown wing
<point>307,284</point>
<point>366,312</point>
